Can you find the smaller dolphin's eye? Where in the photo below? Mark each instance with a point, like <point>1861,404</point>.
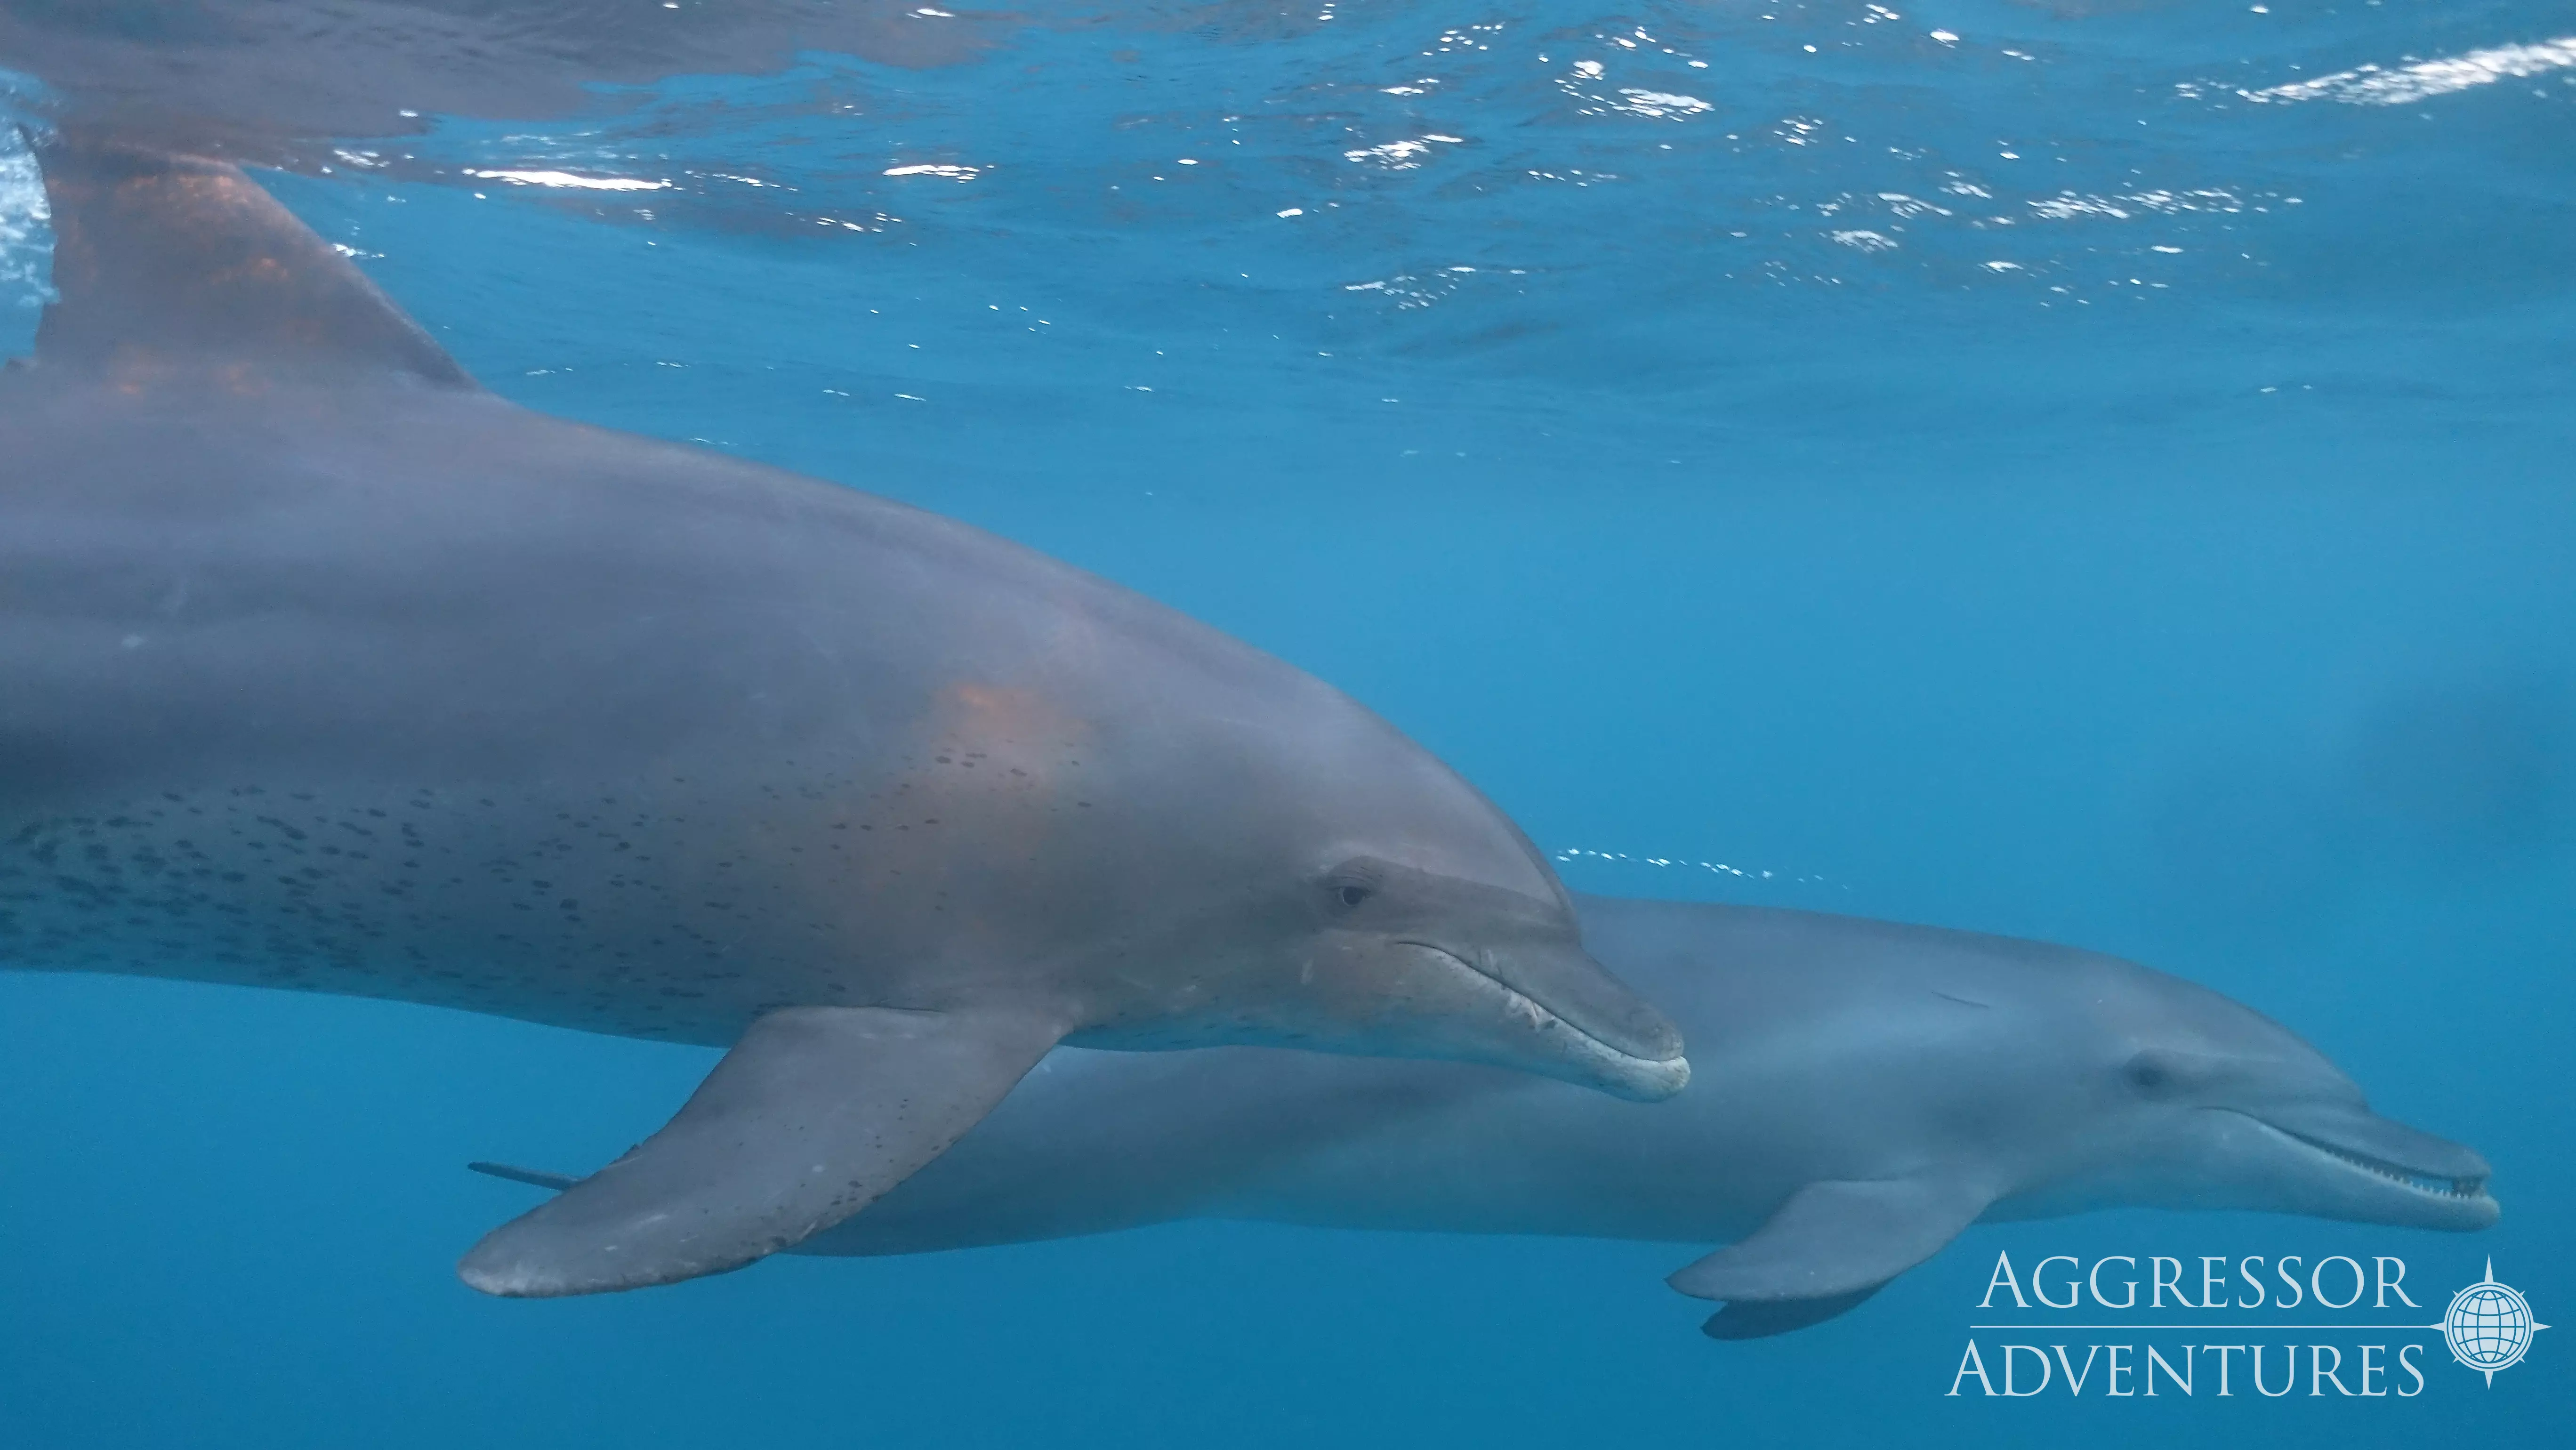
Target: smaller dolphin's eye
<point>1350,895</point>
<point>2147,1075</point>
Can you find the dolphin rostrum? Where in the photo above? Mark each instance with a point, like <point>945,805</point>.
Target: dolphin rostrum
<point>1866,1091</point>
<point>322,668</point>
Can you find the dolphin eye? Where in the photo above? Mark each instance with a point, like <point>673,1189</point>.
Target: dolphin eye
<point>2147,1075</point>
<point>1354,882</point>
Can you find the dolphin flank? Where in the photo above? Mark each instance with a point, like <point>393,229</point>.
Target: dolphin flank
<point>1867,1091</point>
<point>322,668</point>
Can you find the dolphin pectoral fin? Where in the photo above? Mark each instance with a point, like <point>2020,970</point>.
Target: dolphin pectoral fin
<point>1836,1238</point>
<point>533,1177</point>
<point>814,1113</point>
<point>1762,1318</point>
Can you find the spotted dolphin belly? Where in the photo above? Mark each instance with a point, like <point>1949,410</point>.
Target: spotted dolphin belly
<point>592,910</point>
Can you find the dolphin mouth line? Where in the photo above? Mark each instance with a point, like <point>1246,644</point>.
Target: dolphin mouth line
<point>2430,1185</point>
<point>1537,1013</point>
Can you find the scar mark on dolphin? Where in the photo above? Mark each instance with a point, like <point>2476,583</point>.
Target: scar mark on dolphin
<point>1962,1001</point>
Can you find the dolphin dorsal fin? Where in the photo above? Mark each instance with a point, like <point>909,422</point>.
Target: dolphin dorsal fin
<point>171,264</point>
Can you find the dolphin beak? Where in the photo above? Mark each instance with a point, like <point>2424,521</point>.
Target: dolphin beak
<point>1599,1033</point>
<point>2398,1171</point>
<point>1572,985</point>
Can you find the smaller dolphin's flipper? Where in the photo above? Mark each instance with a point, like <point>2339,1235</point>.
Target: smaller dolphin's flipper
<point>1762,1318</point>
<point>815,1113</point>
<point>1836,1238</point>
<point>533,1177</point>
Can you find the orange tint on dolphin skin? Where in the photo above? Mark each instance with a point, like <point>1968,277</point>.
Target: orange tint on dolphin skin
<point>1022,729</point>
<point>337,673</point>
<point>999,767</point>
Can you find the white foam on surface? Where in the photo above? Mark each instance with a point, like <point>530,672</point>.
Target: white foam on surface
<point>2371,85</point>
<point>567,179</point>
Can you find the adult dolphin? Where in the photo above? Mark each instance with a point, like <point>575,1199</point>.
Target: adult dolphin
<point>1867,1090</point>
<point>322,668</point>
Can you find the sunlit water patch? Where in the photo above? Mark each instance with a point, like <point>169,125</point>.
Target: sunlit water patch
<point>1610,207</point>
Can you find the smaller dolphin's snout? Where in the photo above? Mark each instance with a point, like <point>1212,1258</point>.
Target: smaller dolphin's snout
<point>2386,1172</point>
<point>2355,1132</point>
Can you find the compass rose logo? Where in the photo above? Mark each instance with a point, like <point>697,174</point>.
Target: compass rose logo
<point>2488,1326</point>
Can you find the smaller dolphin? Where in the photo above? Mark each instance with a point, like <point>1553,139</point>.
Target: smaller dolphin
<point>1866,1091</point>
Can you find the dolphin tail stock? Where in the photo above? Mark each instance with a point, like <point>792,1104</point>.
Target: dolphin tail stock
<point>165,262</point>
<point>814,1114</point>
<point>1829,1246</point>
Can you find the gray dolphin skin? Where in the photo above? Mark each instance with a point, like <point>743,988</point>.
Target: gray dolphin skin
<point>1866,1091</point>
<point>322,668</point>
<point>277,80</point>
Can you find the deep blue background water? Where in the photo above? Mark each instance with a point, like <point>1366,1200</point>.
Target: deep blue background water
<point>2197,587</point>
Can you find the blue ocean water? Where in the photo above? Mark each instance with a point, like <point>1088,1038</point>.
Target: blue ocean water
<point>2094,472</point>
